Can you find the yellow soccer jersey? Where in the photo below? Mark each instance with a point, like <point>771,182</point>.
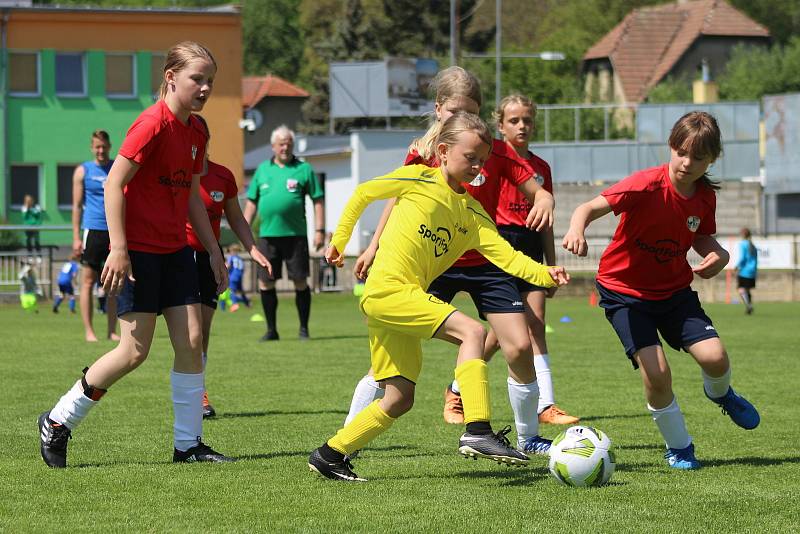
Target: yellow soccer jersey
<point>430,227</point>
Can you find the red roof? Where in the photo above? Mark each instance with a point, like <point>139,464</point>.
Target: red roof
<point>649,41</point>
<point>256,88</point>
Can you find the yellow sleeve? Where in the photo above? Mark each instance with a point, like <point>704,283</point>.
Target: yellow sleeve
<point>394,184</point>
<point>497,250</point>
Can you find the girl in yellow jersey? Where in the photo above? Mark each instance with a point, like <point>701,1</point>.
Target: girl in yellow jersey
<point>433,223</point>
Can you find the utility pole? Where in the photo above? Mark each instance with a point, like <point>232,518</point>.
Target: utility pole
<point>498,42</point>
<point>454,32</point>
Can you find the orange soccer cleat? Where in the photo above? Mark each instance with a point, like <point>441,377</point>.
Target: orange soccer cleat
<point>556,416</point>
<point>453,408</point>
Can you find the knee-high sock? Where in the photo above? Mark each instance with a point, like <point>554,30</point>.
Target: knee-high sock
<point>717,387</point>
<point>541,363</point>
<point>671,424</point>
<point>269,301</point>
<point>370,423</point>
<point>72,407</point>
<point>187,404</point>
<point>367,391</point>
<point>72,304</point>
<point>473,377</point>
<point>57,302</point>
<point>524,400</point>
<point>302,300</point>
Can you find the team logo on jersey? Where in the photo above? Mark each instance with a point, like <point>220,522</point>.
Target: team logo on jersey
<point>478,181</point>
<point>435,300</point>
<point>217,196</point>
<point>539,178</point>
<point>440,238</point>
<point>693,223</point>
<point>291,185</point>
<point>194,151</point>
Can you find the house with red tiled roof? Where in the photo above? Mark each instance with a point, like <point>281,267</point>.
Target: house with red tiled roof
<point>268,102</point>
<point>670,40</point>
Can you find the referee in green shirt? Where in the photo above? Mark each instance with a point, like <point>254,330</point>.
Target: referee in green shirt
<point>277,192</point>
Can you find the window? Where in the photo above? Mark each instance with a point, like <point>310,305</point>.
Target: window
<point>65,172</point>
<point>70,74</point>
<point>23,73</point>
<point>24,181</point>
<point>156,72</point>
<point>120,75</point>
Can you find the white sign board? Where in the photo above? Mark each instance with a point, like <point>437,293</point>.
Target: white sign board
<point>772,253</point>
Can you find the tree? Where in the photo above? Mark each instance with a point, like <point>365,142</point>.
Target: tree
<point>753,72</point>
<point>272,38</point>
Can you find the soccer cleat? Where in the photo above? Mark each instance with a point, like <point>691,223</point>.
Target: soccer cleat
<point>208,410</point>
<point>738,409</point>
<point>341,470</point>
<point>492,446</point>
<point>200,453</point>
<point>453,407</point>
<point>537,445</point>
<point>53,437</point>
<point>271,335</point>
<point>554,415</point>
<point>303,333</point>
<point>682,458</point>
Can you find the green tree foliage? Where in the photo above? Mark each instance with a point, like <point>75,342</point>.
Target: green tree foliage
<point>670,90</point>
<point>780,17</point>
<point>754,72</point>
<point>272,38</point>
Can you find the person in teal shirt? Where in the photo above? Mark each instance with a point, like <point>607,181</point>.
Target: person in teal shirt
<point>31,216</point>
<point>747,269</point>
<point>277,193</point>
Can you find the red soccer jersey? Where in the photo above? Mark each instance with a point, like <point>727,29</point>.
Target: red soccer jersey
<point>513,207</point>
<point>647,256</point>
<point>168,153</point>
<point>216,186</point>
<point>502,166</point>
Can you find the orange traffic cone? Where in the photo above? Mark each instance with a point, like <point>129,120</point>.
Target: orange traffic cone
<point>592,299</point>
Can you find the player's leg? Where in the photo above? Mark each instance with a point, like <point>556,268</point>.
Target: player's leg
<point>207,313</point>
<point>88,280</point>
<point>297,265</point>
<point>58,300</point>
<point>208,301</point>
<point>367,391</point>
<point>266,286</point>
<point>111,318</point>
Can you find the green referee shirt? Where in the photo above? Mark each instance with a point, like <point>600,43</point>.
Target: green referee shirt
<point>279,193</point>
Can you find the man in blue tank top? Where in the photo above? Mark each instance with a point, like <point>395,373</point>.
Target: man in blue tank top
<point>89,215</point>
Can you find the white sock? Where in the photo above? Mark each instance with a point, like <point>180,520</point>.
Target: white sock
<point>523,398</point>
<point>716,387</point>
<point>187,404</point>
<point>541,362</point>
<point>455,388</point>
<point>367,391</point>
<point>672,426</point>
<point>72,407</point>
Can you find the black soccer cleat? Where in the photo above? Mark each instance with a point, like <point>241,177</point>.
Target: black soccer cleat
<point>271,335</point>
<point>341,470</point>
<point>208,411</point>
<point>492,446</point>
<point>303,333</point>
<point>53,437</point>
<point>200,453</point>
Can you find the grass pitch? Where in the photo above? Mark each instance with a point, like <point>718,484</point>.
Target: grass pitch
<point>278,401</point>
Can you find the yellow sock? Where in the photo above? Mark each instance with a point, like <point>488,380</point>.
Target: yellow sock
<point>370,423</point>
<point>473,379</point>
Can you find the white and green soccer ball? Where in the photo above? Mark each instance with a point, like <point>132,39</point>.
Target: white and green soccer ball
<point>582,456</point>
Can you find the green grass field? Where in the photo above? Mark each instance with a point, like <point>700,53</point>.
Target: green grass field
<point>278,401</point>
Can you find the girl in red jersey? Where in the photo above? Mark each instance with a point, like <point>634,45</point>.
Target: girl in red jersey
<point>515,120</point>
<point>151,189</point>
<point>219,192</point>
<point>644,278</point>
<point>492,290</point>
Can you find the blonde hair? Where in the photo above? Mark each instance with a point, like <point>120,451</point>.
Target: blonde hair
<point>452,82</point>
<point>179,56</point>
<point>459,122</point>
<point>514,98</point>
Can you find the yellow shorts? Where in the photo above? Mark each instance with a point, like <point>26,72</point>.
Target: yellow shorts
<point>399,317</point>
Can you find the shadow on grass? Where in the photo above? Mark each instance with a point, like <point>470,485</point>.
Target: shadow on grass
<point>326,338</point>
<point>235,415</point>
<point>585,418</point>
<point>750,460</point>
<point>645,447</point>
<point>270,455</point>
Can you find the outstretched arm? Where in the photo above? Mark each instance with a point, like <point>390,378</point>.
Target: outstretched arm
<point>541,215</point>
<point>574,240</point>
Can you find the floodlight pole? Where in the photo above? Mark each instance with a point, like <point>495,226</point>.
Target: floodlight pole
<point>453,33</point>
<point>498,62</point>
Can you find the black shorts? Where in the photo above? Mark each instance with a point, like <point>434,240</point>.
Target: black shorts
<point>205,279</point>
<point>679,319</point>
<point>492,289</point>
<point>293,250</point>
<point>66,289</point>
<point>162,281</point>
<point>746,283</point>
<point>529,243</point>
<point>96,246</point>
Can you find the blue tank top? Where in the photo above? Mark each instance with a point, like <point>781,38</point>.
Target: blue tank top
<point>94,206</point>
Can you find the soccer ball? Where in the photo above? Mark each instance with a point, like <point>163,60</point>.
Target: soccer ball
<point>582,456</point>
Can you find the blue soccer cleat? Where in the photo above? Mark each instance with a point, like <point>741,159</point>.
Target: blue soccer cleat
<point>537,445</point>
<point>738,409</point>
<point>682,458</point>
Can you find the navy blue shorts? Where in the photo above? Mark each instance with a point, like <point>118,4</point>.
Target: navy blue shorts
<point>206,280</point>
<point>66,289</point>
<point>679,319</point>
<point>162,281</point>
<point>528,242</point>
<point>492,289</point>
